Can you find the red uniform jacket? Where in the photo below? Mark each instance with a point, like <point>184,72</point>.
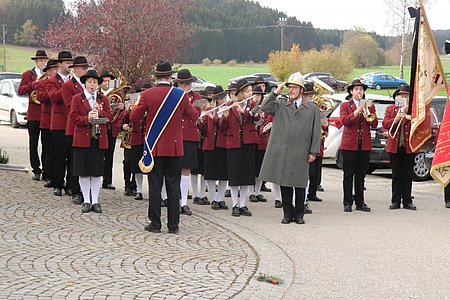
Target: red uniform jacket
<point>170,142</point>
<point>59,110</point>
<point>392,143</point>
<point>237,133</point>
<point>46,106</point>
<point>214,137</point>
<point>27,85</point>
<point>350,136</point>
<point>264,134</point>
<point>137,130</point>
<point>79,111</point>
<point>190,130</point>
<point>69,89</point>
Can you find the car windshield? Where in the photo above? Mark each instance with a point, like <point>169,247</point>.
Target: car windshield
<point>381,108</point>
<point>16,87</point>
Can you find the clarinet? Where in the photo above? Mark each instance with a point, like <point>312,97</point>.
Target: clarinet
<point>96,128</point>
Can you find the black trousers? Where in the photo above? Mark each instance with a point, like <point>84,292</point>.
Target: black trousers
<point>109,157</point>
<point>355,167</point>
<point>170,167</point>
<point>33,140</point>
<point>315,170</point>
<point>291,212</point>
<point>130,181</point>
<point>47,154</point>
<point>401,164</point>
<point>447,193</point>
<point>74,180</point>
<point>60,161</point>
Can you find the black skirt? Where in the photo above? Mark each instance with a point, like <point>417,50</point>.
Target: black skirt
<point>200,163</point>
<point>241,165</point>
<point>136,153</point>
<point>88,161</point>
<point>189,160</point>
<point>216,164</point>
<point>259,157</point>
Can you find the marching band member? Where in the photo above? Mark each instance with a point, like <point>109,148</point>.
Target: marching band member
<point>27,87</point>
<point>168,150</point>
<point>238,122</point>
<point>191,139</point>
<point>58,123</point>
<point>89,140</point>
<point>69,89</point>
<point>263,137</point>
<point>113,131</point>
<point>294,142</point>
<point>398,125</point>
<point>356,144</point>
<point>46,137</point>
<point>215,157</point>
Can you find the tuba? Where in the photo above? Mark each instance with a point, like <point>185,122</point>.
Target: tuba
<point>114,98</point>
<point>33,94</point>
<point>126,138</point>
<point>326,105</point>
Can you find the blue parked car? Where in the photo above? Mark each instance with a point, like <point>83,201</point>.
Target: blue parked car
<point>383,81</point>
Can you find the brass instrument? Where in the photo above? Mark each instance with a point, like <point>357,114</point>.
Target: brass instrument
<point>114,98</point>
<point>326,105</point>
<point>370,117</point>
<point>33,94</point>
<point>400,112</point>
<point>126,137</point>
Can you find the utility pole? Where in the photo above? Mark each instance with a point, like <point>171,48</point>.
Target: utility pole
<point>4,47</point>
<point>282,22</point>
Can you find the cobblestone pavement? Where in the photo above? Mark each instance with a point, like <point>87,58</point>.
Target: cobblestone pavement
<point>51,250</point>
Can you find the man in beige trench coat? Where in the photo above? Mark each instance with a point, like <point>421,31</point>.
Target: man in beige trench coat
<point>294,142</point>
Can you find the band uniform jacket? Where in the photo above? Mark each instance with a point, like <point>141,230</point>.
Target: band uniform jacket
<point>190,130</point>
<point>42,96</point>
<point>59,111</point>
<point>27,85</point>
<point>137,129</point>
<point>170,142</point>
<point>392,143</point>
<point>240,129</point>
<point>214,137</point>
<point>69,89</point>
<point>351,126</point>
<point>294,135</point>
<point>79,111</point>
<point>264,134</point>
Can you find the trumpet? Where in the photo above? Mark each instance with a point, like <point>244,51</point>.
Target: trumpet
<point>33,94</point>
<point>400,114</point>
<point>370,117</point>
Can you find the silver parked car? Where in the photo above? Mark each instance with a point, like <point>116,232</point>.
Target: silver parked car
<point>13,108</point>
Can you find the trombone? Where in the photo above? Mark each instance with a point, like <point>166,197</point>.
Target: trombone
<point>396,125</point>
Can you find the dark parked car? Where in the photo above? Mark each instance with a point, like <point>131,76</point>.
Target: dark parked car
<point>10,75</point>
<point>251,78</point>
<point>337,85</point>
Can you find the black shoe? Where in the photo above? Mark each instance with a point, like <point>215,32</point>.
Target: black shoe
<point>133,193</point>
<point>314,198</point>
<point>164,203</point>
<point>264,188</point>
<point>363,208</point>
<point>394,206</point>
<point>36,177</point>
<point>205,201</point>
<point>244,211</point>
<point>138,196</point>
<point>278,204</point>
<point>447,204</point>
<point>174,231</point>
<point>409,206</point>
<point>252,198</point>
<point>151,229</point>
<point>261,198</point>
<point>96,208</point>
<point>68,191</point>
<point>286,221</point>
<point>215,205</point>
<point>185,210</point>
<point>108,186</point>
<point>57,191</point>
<point>197,200</point>
<point>189,196</point>
<point>320,188</point>
<point>44,178</point>
<point>347,208</point>
<point>85,208</point>
<point>48,184</point>
<point>235,212</point>
<point>77,199</point>
<point>227,193</point>
<point>127,192</point>
<point>307,210</point>
<point>300,221</point>
<point>222,205</point>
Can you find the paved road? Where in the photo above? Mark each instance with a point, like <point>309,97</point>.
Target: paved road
<point>50,250</point>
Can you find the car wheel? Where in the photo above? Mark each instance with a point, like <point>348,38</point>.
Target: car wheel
<point>421,167</point>
<point>371,169</point>
<point>378,87</point>
<point>13,120</point>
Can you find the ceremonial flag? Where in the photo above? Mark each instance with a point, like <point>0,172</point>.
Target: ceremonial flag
<point>427,79</point>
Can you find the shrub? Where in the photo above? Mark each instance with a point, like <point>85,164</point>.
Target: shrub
<point>283,63</point>
<point>232,63</point>
<point>338,63</point>
<point>206,62</point>
<point>249,63</point>
<point>217,62</point>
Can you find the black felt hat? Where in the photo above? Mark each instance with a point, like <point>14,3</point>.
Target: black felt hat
<point>91,74</point>
<point>52,63</point>
<point>106,73</point>
<point>404,89</point>
<point>40,54</point>
<point>241,84</point>
<point>356,82</point>
<point>64,56</point>
<point>79,61</point>
<point>163,68</point>
<point>184,76</point>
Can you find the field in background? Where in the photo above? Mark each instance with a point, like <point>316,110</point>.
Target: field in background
<point>18,60</point>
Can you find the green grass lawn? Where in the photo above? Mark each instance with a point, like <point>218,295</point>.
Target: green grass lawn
<point>17,58</point>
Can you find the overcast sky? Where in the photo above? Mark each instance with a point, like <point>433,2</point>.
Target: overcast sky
<point>372,15</point>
